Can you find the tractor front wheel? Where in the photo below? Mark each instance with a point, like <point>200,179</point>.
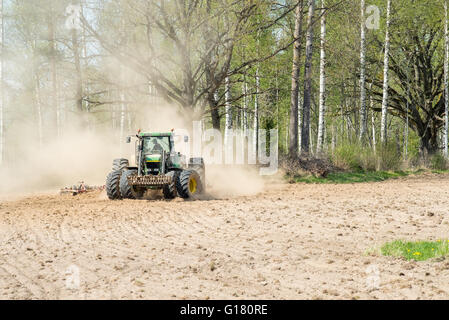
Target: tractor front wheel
<point>169,190</point>
<point>126,190</point>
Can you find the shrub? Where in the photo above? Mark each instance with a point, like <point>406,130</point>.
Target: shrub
<point>438,162</point>
<point>347,157</point>
<point>388,158</point>
<point>368,159</point>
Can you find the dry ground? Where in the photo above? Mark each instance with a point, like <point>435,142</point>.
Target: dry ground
<point>289,242</point>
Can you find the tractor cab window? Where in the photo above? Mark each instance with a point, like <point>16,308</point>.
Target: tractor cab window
<point>156,145</point>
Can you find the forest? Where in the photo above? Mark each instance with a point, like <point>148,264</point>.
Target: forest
<point>362,82</point>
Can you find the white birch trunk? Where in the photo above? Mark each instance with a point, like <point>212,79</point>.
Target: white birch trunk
<point>256,116</point>
<point>228,109</point>
<point>122,118</point>
<point>54,76</point>
<point>2,129</point>
<point>383,134</point>
<point>322,107</point>
<point>362,72</point>
<point>38,110</point>
<point>245,108</point>
<point>373,124</point>
<point>446,85</point>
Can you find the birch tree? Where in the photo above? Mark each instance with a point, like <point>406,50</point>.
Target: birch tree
<point>294,100</point>
<point>54,80</point>
<point>362,72</point>
<point>256,116</point>
<point>322,105</point>
<point>446,87</point>
<point>228,111</point>
<point>1,84</point>
<point>384,128</point>
<point>305,134</point>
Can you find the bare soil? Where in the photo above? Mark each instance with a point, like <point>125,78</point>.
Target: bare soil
<point>287,242</point>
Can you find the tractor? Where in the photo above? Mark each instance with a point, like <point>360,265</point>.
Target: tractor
<point>159,166</point>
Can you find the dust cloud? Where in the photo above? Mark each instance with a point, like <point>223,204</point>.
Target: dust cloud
<point>83,154</point>
<point>230,181</point>
<point>76,156</point>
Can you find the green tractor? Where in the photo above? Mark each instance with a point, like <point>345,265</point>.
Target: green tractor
<point>159,166</point>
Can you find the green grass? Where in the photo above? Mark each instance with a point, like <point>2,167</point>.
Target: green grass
<point>419,250</point>
<point>359,177</point>
<point>353,177</point>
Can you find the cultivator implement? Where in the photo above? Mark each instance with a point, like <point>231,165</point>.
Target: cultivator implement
<point>145,181</point>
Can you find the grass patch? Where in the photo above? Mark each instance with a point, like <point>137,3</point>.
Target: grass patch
<point>353,177</point>
<point>359,177</point>
<point>419,250</point>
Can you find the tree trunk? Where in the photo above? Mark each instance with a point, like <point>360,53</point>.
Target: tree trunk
<point>122,117</point>
<point>228,110</point>
<point>54,95</point>
<point>383,134</point>
<point>212,98</point>
<point>362,73</point>
<point>428,143</point>
<point>294,100</point>
<point>305,135</point>
<point>322,107</point>
<point>373,125</point>
<point>245,107</point>
<point>37,95</point>
<point>256,116</point>
<point>300,104</point>
<point>79,81</point>
<point>2,92</point>
<point>446,85</point>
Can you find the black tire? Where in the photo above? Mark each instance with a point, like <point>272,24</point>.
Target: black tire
<point>184,184</point>
<point>113,185</point>
<point>127,191</point>
<point>197,164</point>
<point>120,164</point>
<point>169,190</point>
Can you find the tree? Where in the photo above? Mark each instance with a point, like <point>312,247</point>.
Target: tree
<point>363,113</point>
<point>229,114</point>
<point>305,130</point>
<point>384,127</point>
<point>294,100</point>
<point>322,102</point>
<point>425,91</point>
<point>446,85</point>
<point>2,92</point>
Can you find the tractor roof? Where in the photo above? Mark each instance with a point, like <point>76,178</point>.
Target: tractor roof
<point>155,134</point>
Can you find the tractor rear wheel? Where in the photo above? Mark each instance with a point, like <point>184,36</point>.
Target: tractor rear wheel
<point>126,190</point>
<point>112,185</point>
<point>169,190</point>
<point>189,184</point>
<point>120,164</point>
<point>197,164</point>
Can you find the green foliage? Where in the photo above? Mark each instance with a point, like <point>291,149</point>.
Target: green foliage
<point>355,158</point>
<point>419,250</point>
